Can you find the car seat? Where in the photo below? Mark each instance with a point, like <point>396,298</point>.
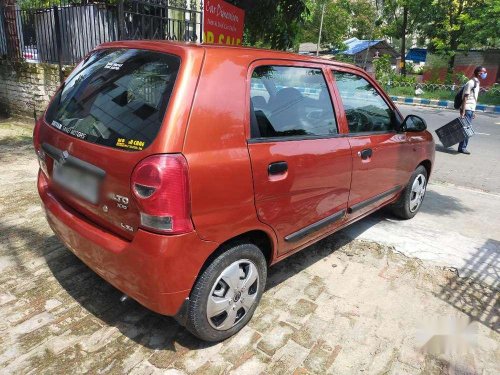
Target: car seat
<point>287,110</point>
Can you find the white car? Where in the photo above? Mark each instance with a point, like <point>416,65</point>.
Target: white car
<point>30,54</point>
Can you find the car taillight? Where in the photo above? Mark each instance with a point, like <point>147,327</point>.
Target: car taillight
<point>160,186</point>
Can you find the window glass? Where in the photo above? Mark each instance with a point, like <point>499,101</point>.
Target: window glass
<point>116,97</point>
<point>365,109</point>
<point>290,101</point>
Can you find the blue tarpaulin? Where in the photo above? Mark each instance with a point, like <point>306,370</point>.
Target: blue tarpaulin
<point>416,54</point>
<point>354,45</point>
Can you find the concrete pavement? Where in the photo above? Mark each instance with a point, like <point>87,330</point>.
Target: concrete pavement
<point>456,227</point>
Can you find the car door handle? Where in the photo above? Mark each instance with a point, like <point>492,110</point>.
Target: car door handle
<point>276,168</point>
<point>365,154</point>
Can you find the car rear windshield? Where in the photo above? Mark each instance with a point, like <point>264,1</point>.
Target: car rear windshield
<point>116,98</point>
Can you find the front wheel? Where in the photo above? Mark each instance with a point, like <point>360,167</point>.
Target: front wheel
<point>227,293</point>
<point>411,198</point>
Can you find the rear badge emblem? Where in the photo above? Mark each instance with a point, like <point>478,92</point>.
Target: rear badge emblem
<point>121,201</point>
<point>118,198</point>
<point>127,227</point>
<point>105,208</point>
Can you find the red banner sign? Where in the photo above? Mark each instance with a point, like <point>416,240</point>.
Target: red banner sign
<point>222,23</point>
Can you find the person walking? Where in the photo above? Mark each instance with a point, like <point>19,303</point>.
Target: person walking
<point>468,107</point>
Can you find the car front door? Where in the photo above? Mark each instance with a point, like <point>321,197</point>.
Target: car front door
<point>380,162</point>
<point>301,165</point>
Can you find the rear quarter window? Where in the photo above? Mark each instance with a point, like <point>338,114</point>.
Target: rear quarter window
<point>116,98</point>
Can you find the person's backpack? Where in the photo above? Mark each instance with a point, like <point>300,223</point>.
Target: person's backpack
<point>459,98</point>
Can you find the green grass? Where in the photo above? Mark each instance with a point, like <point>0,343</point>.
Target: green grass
<point>484,97</point>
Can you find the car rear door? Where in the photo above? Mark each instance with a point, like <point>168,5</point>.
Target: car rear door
<point>380,160</point>
<point>301,165</point>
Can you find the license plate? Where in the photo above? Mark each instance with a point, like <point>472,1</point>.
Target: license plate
<point>76,181</point>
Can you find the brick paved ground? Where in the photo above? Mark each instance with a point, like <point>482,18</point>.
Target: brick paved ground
<point>338,307</point>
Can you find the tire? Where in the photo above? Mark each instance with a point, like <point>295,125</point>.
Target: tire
<point>410,201</point>
<point>236,277</point>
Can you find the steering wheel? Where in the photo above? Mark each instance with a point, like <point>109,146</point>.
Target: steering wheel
<point>358,121</point>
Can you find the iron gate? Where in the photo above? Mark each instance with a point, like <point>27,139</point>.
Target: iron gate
<point>63,31</point>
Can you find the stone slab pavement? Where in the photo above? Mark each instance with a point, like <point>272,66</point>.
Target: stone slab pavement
<point>343,306</point>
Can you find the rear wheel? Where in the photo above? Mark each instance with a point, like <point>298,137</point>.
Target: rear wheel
<point>411,199</point>
<point>227,293</point>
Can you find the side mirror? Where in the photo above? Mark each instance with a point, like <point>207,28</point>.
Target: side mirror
<point>413,123</point>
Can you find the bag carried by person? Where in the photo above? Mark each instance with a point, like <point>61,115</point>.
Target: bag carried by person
<point>459,98</point>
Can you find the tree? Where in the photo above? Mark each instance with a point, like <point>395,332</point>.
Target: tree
<point>335,24</point>
<point>403,18</point>
<point>463,24</point>
<point>363,19</point>
<point>342,19</point>
<point>273,23</point>
<point>485,25</point>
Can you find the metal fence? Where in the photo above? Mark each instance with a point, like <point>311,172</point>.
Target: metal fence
<point>63,31</point>
<point>431,87</point>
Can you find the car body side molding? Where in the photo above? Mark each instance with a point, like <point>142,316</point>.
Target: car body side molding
<point>315,226</point>
<point>372,200</point>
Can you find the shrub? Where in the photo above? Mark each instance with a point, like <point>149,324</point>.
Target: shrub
<point>398,79</point>
<point>383,69</point>
<point>419,69</point>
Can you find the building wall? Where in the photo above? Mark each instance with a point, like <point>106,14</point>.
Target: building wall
<point>466,62</point>
<point>25,87</point>
<point>472,58</point>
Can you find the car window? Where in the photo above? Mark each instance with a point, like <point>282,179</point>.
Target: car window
<point>365,109</point>
<point>290,101</point>
<point>116,98</point>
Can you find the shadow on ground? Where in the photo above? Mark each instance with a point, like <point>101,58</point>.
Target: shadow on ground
<point>102,300</point>
<point>439,204</point>
<point>447,150</point>
<point>94,294</point>
<point>434,204</point>
<point>15,145</point>
<point>18,140</point>
<point>158,332</point>
<point>475,289</point>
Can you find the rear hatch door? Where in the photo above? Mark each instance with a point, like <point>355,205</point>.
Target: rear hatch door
<point>101,123</point>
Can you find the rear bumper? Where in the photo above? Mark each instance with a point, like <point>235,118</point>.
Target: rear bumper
<point>158,271</point>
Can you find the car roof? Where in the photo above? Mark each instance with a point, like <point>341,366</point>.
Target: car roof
<point>236,50</point>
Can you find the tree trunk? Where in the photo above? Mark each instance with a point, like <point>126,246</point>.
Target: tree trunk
<point>403,40</point>
<point>453,50</point>
<point>451,62</point>
<point>11,35</point>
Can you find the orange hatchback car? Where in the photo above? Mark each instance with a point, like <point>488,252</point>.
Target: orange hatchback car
<point>180,172</point>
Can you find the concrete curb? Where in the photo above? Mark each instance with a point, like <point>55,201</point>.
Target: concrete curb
<point>442,103</point>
